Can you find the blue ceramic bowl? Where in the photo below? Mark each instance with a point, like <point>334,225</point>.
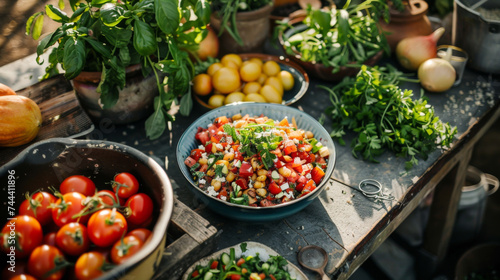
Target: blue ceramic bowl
<point>49,162</point>
<point>304,121</point>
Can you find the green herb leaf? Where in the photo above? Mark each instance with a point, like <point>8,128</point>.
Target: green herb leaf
<point>74,58</point>
<point>56,14</point>
<point>167,15</point>
<point>144,38</point>
<point>156,123</point>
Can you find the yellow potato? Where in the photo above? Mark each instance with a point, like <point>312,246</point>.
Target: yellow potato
<point>271,94</point>
<point>234,97</point>
<point>287,80</point>
<point>271,68</point>
<point>255,97</point>
<point>251,87</point>
<point>216,100</point>
<point>276,83</point>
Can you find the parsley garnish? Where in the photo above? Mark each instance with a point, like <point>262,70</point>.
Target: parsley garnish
<point>259,139</point>
<point>385,117</point>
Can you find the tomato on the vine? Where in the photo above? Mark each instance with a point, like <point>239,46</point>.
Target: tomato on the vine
<point>78,183</point>
<point>139,209</point>
<point>91,265</point>
<point>73,239</point>
<point>23,233</point>
<point>37,205</point>
<point>107,199</point>
<point>106,226</point>
<point>141,233</point>
<point>67,206</point>
<point>124,248</point>
<point>126,183</point>
<point>47,262</point>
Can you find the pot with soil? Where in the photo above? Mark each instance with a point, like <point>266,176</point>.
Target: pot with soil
<point>241,30</point>
<point>135,100</point>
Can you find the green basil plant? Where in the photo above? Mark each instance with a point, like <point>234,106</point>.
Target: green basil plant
<point>109,35</point>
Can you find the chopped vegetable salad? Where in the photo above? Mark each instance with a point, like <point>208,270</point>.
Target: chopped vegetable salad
<point>257,161</point>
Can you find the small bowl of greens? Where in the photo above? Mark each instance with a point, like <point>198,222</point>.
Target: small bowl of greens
<point>247,260</point>
<point>332,44</point>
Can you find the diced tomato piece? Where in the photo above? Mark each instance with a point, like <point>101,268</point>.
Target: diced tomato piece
<point>272,277</point>
<point>305,147</point>
<point>195,273</point>
<point>235,277</point>
<point>208,148</point>
<point>279,164</point>
<point>240,262</point>
<point>214,265</point>
<point>317,174</point>
<point>301,182</point>
<point>189,161</point>
<point>293,177</point>
<point>290,148</point>
<point>309,187</point>
<point>216,138</point>
<point>235,147</point>
<point>262,276</point>
<point>298,168</point>
<point>203,168</point>
<point>220,121</point>
<point>196,154</point>
<point>203,137</point>
<point>305,156</point>
<point>246,169</point>
<point>222,193</point>
<point>242,183</point>
<point>274,188</point>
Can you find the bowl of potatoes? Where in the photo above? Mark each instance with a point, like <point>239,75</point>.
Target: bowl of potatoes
<point>250,77</point>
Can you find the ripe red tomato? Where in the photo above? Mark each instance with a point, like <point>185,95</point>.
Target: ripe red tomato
<point>23,277</point>
<point>127,184</point>
<point>141,233</point>
<point>45,259</point>
<point>139,209</point>
<point>106,226</point>
<point>78,183</point>
<point>73,239</point>
<point>50,238</point>
<point>66,207</point>
<point>20,236</point>
<point>90,265</point>
<point>125,248</point>
<point>36,206</point>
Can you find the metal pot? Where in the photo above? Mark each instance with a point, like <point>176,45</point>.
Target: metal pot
<point>470,213</point>
<point>478,35</point>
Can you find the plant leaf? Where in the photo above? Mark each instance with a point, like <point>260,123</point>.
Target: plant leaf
<point>98,46</point>
<point>186,104</point>
<point>167,15</point>
<point>111,15</point>
<point>118,37</point>
<point>156,123</point>
<point>56,14</point>
<point>144,38</point>
<point>74,57</point>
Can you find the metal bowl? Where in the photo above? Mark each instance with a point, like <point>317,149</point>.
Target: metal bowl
<point>304,121</point>
<point>49,162</point>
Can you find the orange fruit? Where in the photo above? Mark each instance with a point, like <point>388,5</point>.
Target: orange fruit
<point>226,80</point>
<point>250,72</point>
<point>202,84</point>
<point>271,68</point>
<point>5,90</point>
<point>231,57</point>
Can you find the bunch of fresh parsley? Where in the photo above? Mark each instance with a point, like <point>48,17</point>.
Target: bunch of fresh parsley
<point>385,117</point>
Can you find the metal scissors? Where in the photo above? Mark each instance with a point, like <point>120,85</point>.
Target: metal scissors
<point>373,189</point>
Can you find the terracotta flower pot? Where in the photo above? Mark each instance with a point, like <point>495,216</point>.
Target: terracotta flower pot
<point>411,22</point>
<point>253,28</point>
<point>135,99</point>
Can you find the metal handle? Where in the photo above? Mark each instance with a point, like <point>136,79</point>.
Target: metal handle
<point>493,183</point>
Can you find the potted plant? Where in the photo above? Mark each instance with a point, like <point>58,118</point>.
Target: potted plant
<point>242,25</point>
<point>333,43</point>
<point>113,38</point>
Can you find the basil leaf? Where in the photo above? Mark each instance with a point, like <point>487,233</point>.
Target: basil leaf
<point>76,15</point>
<point>56,14</point>
<point>111,15</point>
<point>74,57</point>
<point>98,46</point>
<point>203,11</point>
<point>156,123</point>
<point>144,38</point>
<point>34,24</point>
<point>186,104</point>
<point>167,15</point>
<point>321,21</point>
<point>99,3</point>
<point>118,37</point>
<point>124,55</point>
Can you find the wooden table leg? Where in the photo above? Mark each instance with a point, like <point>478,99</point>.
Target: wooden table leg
<point>442,216</point>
